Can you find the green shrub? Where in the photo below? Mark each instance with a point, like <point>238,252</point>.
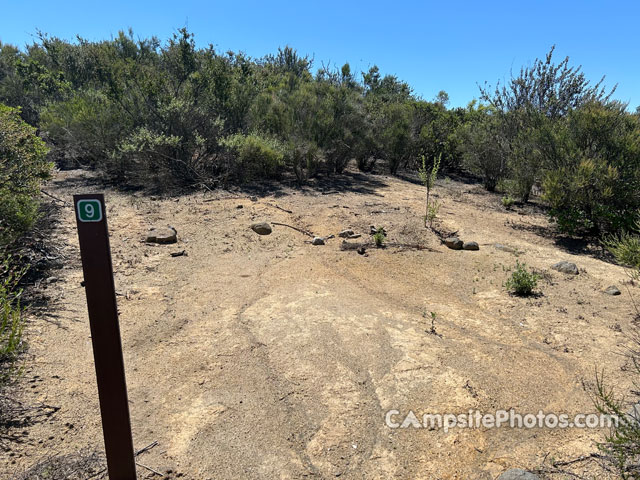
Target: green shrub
<point>304,158</point>
<point>592,186</point>
<point>626,248</point>
<point>432,211</point>
<point>379,237</point>
<point>258,156</point>
<point>146,155</point>
<point>483,145</point>
<point>23,167</point>
<point>621,447</point>
<point>428,179</point>
<point>507,201</point>
<point>84,128</point>
<point>522,282</point>
<point>622,443</point>
<point>11,321</point>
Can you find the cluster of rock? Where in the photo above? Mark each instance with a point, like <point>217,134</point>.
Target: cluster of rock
<point>454,243</point>
<point>169,235</point>
<point>572,269</point>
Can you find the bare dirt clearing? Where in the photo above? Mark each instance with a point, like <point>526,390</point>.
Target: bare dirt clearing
<point>267,357</point>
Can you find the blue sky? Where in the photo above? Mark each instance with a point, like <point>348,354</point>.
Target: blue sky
<point>445,45</point>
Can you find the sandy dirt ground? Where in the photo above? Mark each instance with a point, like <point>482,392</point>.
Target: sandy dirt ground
<point>263,357</point>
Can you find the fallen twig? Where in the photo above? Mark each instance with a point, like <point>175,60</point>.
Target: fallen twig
<point>146,449</point>
<point>558,471</point>
<point>309,234</point>
<point>279,207</point>
<point>579,459</point>
<point>148,468</point>
<point>237,197</point>
<point>54,197</point>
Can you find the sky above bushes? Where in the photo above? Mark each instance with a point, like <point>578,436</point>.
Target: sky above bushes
<point>433,46</point>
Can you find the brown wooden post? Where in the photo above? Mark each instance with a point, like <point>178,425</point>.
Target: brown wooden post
<point>105,334</point>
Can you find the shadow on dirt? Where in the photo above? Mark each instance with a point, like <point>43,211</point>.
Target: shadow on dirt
<point>589,246</point>
<point>15,417</point>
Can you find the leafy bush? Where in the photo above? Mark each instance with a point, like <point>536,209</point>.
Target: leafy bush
<point>592,187</point>
<point>11,322</point>
<point>258,156</point>
<point>304,158</point>
<point>483,145</point>
<point>22,169</point>
<point>522,282</point>
<point>379,237</point>
<point>626,248</point>
<point>622,444</point>
<point>83,128</point>
<point>507,201</point>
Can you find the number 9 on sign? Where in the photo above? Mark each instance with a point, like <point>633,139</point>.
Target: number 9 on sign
<point>89,210</point>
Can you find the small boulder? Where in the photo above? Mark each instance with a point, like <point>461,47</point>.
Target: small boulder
<point>470,246</point>
<point>454,243</point>
<point>612,290</point>
<point>317,241</point>
<point>162,235</point>
<point>345,233</point>
<point>518,474</point>
<point>362,250</point>
<point>262,228</point>
<point>349,245</point>
<point>355,235</point>
<point>566,267</point>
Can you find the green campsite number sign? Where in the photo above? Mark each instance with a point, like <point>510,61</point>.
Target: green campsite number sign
<point>89,210</point>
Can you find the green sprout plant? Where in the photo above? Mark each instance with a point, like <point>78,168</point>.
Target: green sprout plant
<point>522,282</point>
<point>428,179</point>
<point>379,237</point>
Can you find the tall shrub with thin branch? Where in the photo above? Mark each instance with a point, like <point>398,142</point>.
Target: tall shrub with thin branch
<point>428,178</point>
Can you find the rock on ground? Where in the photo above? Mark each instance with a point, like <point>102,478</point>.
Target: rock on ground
<point>262,228</point>
<point>566,267</point>
<point>318,241</point>
<point>453,243</point>
<point>373,230</point>
<point>162,235</point>
<point>351,245</point>
<point>346,233</point>
<point>504,248</point>
<point>470,246</point>
<point>612,290</point>
<point>518,474</point>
